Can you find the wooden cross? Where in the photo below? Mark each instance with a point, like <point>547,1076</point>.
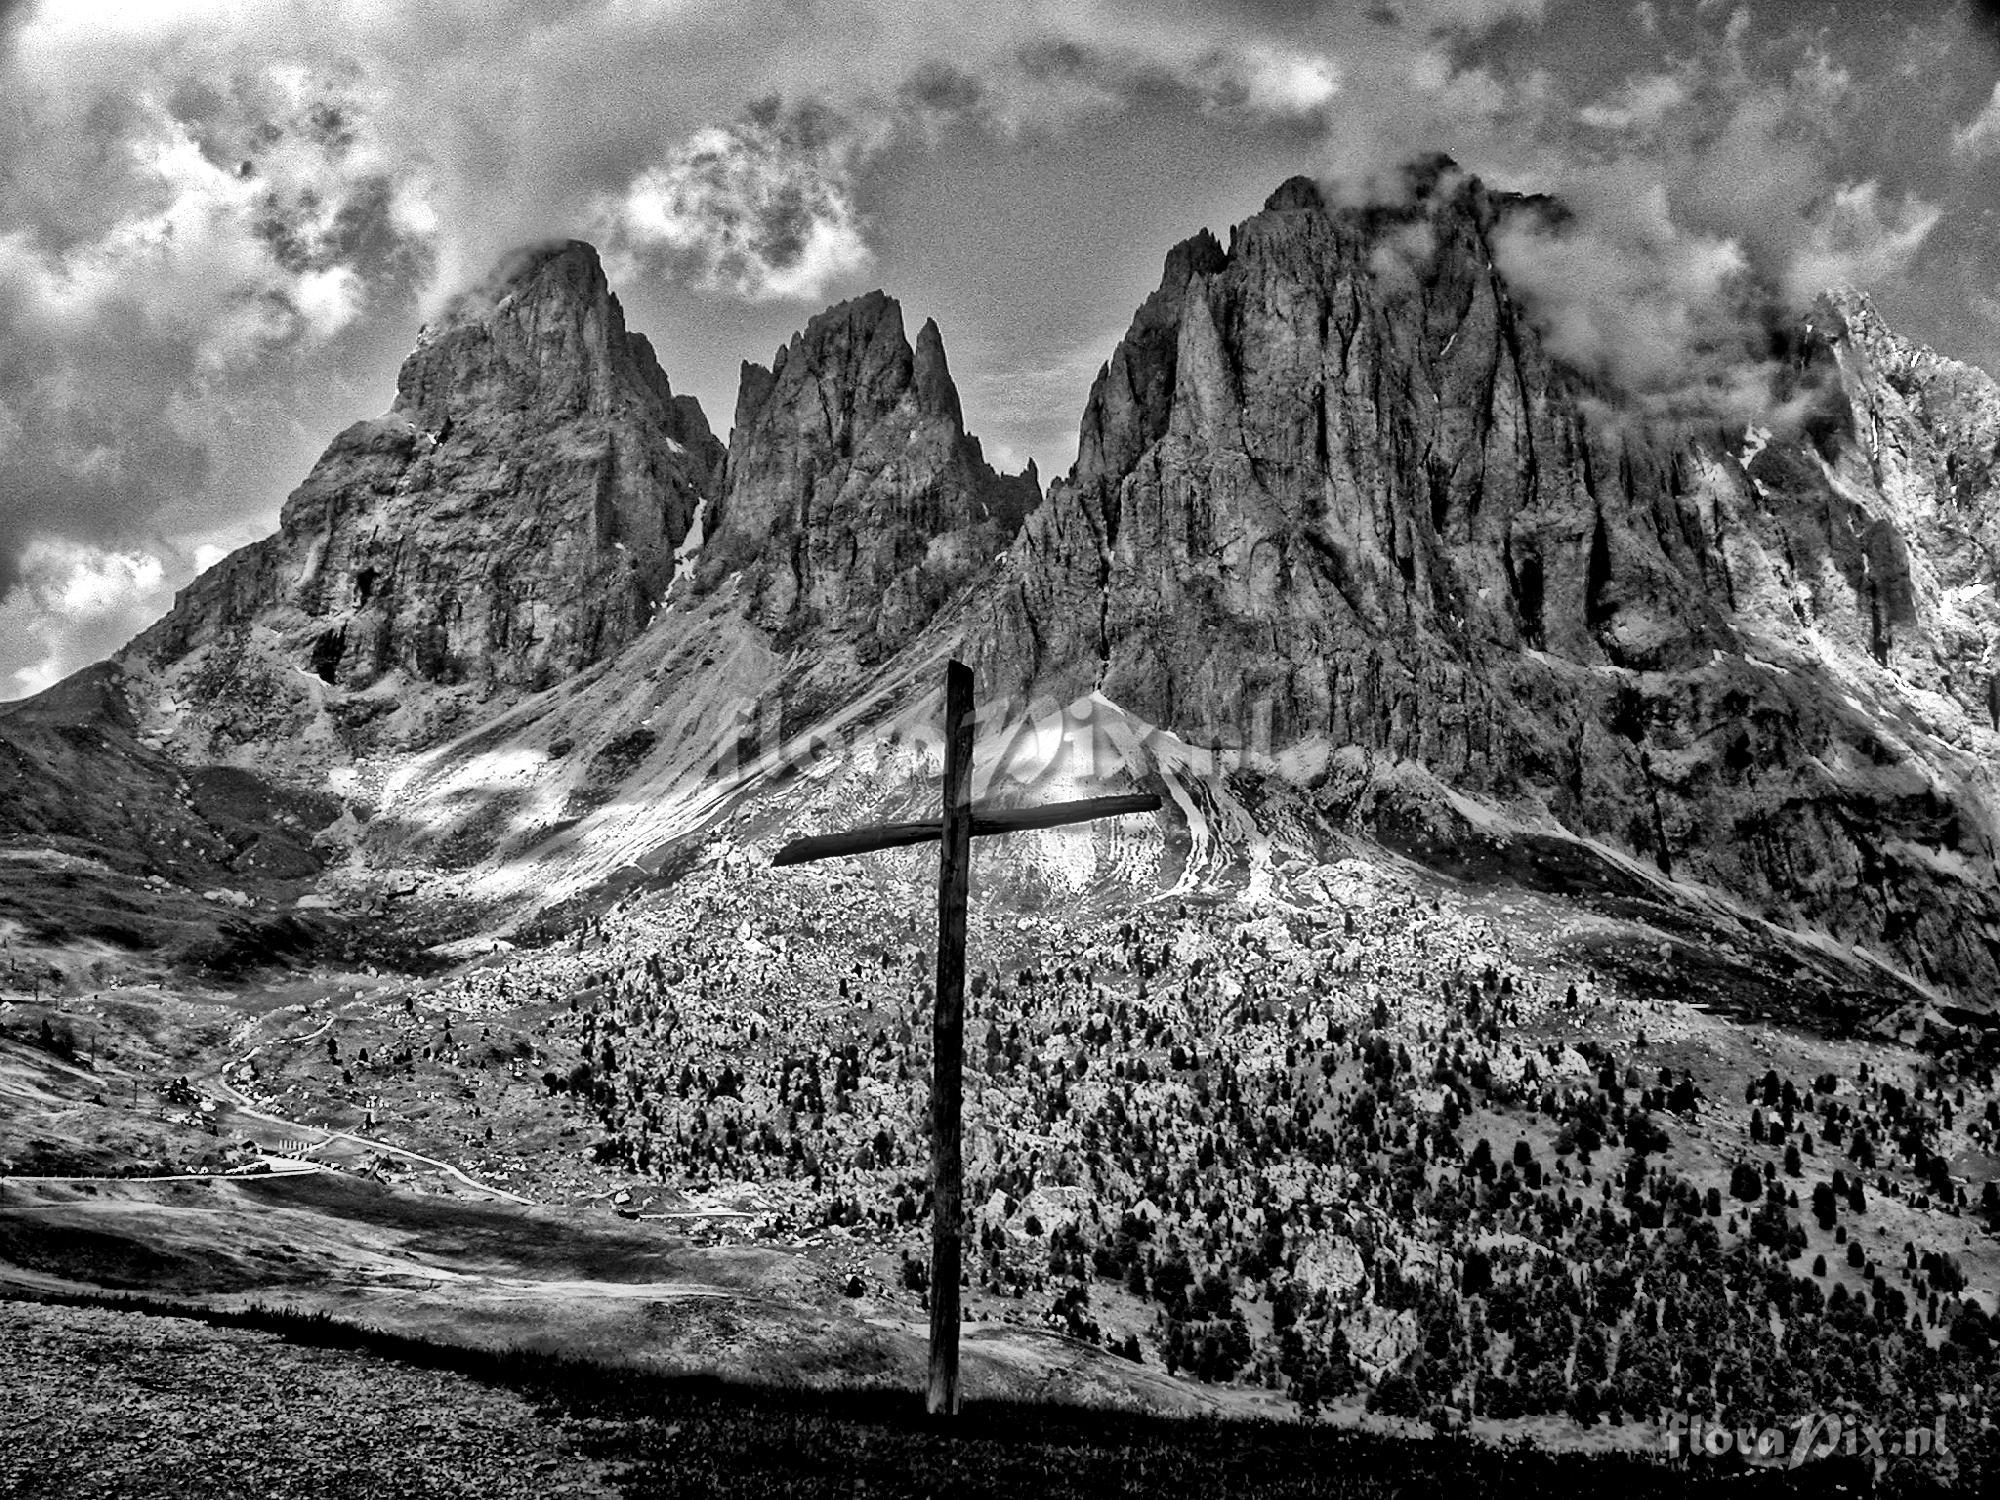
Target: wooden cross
<point>954,832</point>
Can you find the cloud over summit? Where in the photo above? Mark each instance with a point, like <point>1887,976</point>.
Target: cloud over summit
<point>762,208</point>
<point>1710,189</point>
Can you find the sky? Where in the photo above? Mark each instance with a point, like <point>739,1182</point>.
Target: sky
<point>222,222</point>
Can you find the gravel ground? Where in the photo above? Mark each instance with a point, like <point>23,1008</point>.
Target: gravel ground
<point>98,1404</point>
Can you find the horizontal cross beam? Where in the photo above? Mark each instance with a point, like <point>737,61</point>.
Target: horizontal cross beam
<point>986,819</point>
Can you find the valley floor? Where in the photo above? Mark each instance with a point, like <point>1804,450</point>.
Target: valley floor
<point>1411,1153</point>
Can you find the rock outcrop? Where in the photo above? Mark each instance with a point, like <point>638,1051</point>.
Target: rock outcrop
<point>513,517</point>
<point>855,502</point>
<point>1332,490</point>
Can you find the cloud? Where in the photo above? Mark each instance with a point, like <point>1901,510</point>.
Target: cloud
<point>1667,279</point>
<point>1266,82</point>
<point>763,208</point>
<point>1856,238</point>
<point>1472,15</point>
<point>1705,199</point>
<point>73,596</point>
<point>1980,136</point>
<point>169,270</point>
<point>1280,82</point>
<point>1639,102</point>
<point>1677,309</point>
<point>1625,293</point>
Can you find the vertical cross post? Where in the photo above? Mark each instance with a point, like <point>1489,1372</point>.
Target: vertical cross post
<point>948,1039</point>
<point>954,831</point>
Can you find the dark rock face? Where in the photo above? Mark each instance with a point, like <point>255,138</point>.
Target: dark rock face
<point>512,519</point>
<point>1343,431</point>
<point>1332,489</point>
<point>855,502</point>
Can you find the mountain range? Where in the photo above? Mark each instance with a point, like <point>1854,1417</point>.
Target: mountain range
<point>1348,560</point>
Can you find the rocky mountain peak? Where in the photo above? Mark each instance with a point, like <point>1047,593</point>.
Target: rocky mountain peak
<point>1332,491</point>
<point>543,332</point>
<point>1200,254</point>
<point>1132,396</point>
<point>855,501</point>
<point>855,351</point>
<point>931,377</point>
<point>1296,194</point>
<point>512,518</point>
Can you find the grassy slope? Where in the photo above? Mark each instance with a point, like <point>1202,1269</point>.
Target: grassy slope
<point>663,1436</point>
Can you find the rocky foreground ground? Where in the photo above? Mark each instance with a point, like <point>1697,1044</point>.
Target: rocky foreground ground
<point>102,1404</point>
<point>124,1403</point>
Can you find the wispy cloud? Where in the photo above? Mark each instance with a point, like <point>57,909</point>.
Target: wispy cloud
<point>1705,199</point>
<point>73,595</point>
<point>762,208</point>
<point>1980,136</point>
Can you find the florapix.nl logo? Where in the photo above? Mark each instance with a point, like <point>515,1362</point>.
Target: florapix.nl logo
<point>1809,1436</point>
<point>1018,743</point>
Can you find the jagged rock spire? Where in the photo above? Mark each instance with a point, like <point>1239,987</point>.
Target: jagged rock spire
<point>1331,491</point>
<point>855,502</point>
<point>511,519</point>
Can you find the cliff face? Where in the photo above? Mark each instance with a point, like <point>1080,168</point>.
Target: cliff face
<point>1342,431</point>
<point>855,503</point>
<point>1925,443</point>
<point>1331,490</point>
<point>512,519</point>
